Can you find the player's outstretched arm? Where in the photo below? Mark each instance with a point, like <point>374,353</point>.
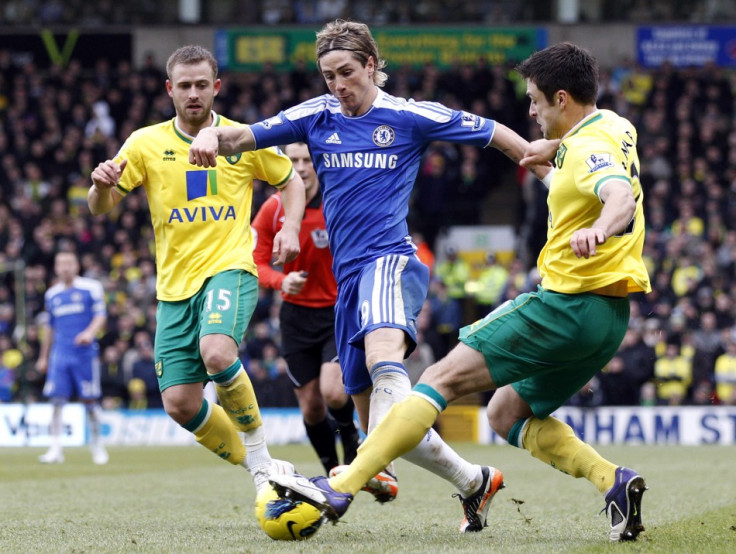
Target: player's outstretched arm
<point>211,142</point>
<point>539,152</point>
<point>102,196</point>
<point>515,146</point>
<point>286,242</point>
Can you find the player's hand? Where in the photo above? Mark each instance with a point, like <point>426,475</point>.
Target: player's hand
<point>42,365</point>
<point>539,152</point>
<point>294,281</point>
<point>205,147</point>
<point>107,174</point>
<point>84,338</point>
<point>285,246</point>
<point>584,241</point>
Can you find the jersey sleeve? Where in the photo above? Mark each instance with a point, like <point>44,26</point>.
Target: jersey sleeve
<point>97,293</point>
<point>277,130</point>
<point>273,166</point>
<point>438,122</point>
<point>265,227</point>
<point>47,308</point>
<point>134,173</point>
<point>594,163</point>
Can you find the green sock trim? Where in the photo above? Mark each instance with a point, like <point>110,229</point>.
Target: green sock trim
<point>431,395</point>
<point>515,432</point>
<point>226,375</point>
<point>198,419</point>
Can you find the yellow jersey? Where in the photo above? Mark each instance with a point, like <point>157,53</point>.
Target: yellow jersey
<point>201,217</point>
<point>600,148</point>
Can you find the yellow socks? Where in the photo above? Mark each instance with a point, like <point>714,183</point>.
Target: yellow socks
<point>399,432</point>
<point>555,443</point>
<point>237,397</point>
<point>213,430</point>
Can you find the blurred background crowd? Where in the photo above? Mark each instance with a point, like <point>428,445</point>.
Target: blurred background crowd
<point>373,12</point>
<point>56,124</point>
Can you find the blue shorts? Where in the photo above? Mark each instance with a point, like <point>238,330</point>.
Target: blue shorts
<point>73,372</point>
<point>388,292</point>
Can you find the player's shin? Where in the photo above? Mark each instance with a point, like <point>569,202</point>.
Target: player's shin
<point>432,453</point>
<point>213,430</point>
<point>323,442</point>
<point>238,399</point>
<point>391,384</point>
<point>400,431</point>
<point>555,443</point>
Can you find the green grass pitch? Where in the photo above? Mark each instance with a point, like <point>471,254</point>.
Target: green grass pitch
<point>182,499</point>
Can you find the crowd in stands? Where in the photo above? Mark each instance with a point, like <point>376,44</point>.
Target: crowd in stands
<point>81,13</point>
<point>57,124</point>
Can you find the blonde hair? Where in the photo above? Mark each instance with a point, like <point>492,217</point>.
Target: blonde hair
<point>188,55</point>
<point>356,38</point>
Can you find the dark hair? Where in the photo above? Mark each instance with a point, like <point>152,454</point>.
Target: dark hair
<point>563,66</point>
<point>188,55</point>
<point>356,38</point>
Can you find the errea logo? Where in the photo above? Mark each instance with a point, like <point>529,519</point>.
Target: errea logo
<point>169,156</point>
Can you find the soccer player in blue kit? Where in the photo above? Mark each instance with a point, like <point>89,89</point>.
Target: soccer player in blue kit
<point>366,146</point>
<point>69,353</point>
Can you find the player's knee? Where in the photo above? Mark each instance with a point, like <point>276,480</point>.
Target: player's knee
<point>313,411</point>
<point>498,419</point>
<point>179,408</point>
<point>216,360</point>
<point>334,396</point>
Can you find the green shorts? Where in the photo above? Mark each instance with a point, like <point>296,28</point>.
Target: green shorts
<point>224,305</point>
<point>547,344</point>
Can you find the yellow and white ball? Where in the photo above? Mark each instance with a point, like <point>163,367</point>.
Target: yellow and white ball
<point>284,519</point>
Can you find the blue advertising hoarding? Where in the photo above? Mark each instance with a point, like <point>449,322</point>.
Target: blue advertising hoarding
<point>686,45</point>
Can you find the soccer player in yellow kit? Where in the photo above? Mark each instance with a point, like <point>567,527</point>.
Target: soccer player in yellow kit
<point>540,348</point>
<point>207,283</point>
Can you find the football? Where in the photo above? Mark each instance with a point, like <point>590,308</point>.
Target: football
<point>284,519</point>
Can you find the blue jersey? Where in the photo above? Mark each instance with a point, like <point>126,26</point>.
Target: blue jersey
<point>71,309</point>
<point>367,166</point>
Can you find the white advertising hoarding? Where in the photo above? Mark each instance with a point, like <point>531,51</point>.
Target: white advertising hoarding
<point>690,425</point>
<point>660,425</point>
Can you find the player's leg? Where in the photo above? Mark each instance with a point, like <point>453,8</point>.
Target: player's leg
<point>181,373</point>
<point>461,372</point>
<point>318,428</point>
<point>55,453</point>
<point>356,379</point>
<point>393,291</point>
<point>341,408</point>
<point>99,452</point>
<point>301,334</point>
<point>86,377</point>
<point>520,412</point>
<point>228,300</point>
<point>555,443</point>
<point>339,403</point>
<point>58,389</point>
<point>547,439</point>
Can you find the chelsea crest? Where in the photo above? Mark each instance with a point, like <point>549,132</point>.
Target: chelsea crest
<point>383,136</point>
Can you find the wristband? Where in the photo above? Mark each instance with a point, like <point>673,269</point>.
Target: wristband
<point>548,178</point>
